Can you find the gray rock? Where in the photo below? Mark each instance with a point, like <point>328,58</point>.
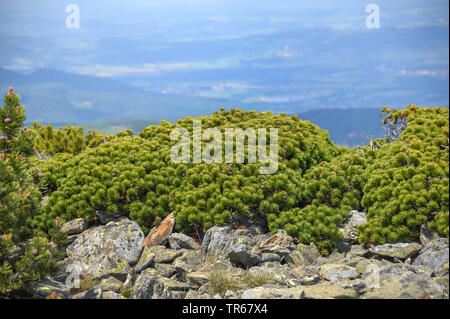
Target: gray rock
<point>165,270</point>
<point>359,251</point>
<point>45,288</point>
<point>269,257</point>
<point>218,244</point>
<point>111,284</point>
<point>146,259</point>
<point>180,241</point>
<point>336,272</point>
<point>74,226</point>
<point>240,254</point>
<point>197,278</point>
<point>325,290</point>
<point>93,293</point>
<point>105,218</point>
<point>305,255</point>
<point>164,255</point>
<point>427,235</point>
<point>146,286</point>
<point>189,261</point>
<point>106,250</point>
<point>407,285</point>
<point>209,235</point>
<point>400,250</point>
<point>111,295</point>
<point>435,256</point>
<point>343,246</point>
<point>350,228</point>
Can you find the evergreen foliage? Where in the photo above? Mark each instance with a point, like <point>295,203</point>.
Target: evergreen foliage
<point>408,183</point>
<point>134,175</point>
<point>19,202</point>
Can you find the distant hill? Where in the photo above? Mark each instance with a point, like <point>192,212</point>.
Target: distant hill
<point>60,97</point>
<point>52,96</point>
<point>347,126</point>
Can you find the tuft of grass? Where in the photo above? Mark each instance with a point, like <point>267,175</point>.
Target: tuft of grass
<point>256,280</point>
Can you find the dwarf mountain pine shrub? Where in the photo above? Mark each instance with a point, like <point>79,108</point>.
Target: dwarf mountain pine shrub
<point>68,139</point>
<point>135,175</point>
<point>328,192</point>
<point>408,182</point>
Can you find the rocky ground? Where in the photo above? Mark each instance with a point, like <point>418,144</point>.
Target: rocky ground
<point>116,260</point>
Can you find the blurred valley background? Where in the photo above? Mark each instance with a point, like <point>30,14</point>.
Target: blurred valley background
<point>132,64</point>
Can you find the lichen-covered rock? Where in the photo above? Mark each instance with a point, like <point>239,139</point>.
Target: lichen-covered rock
<point>240,254</point>
<point>181,241</point>
<point>305,255</point>
<point>106,218</point>
<point>146,259</point>
<point>350,228</point>
<point>111,295</point>
<point>435,256</point>
<point>272,292</point>
<point>197,278</point>
<point>189,261</point>
<point>146,286</point>
<point>400,250</point>
<point>336,272</point>
<point>427,235</point>
<point>213,230</point>
<point>325,290</point>
<point>217,243</point>
<point>164,255</point>
<point>165,270</point>
<point>408,285</point>
<point>93,293</point>
<point>75,226</point>
<point>280,243</point>
<point>47,287</point>
<point>106,250</point>
<point>358,250</point>
<point>111,284</point>
<point>328,290</point>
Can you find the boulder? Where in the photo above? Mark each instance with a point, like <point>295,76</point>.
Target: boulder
<point>105,218</point>
<point>146,286</point>
<point>181,241</point>
<point>75,226</point>
<point>197,278</point>
<point>48,287</point>
<point>336,272</point>
<point>304,255</point>
<point>165,270</point>
<point>164,255</point>
<point>189,261</point>
<point>106,250</point>
<point>218,244</point>
<point>435,256</point>
<point>400,250</point>
<point>427,235</point>
<point>407,285</point>
<point>110,284</point>
<point>358,251</point>
<point>349,229</point>
<point>146,259</point>
<point>159,235</point>
<point>240,254</point>
<point>325,290</point>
